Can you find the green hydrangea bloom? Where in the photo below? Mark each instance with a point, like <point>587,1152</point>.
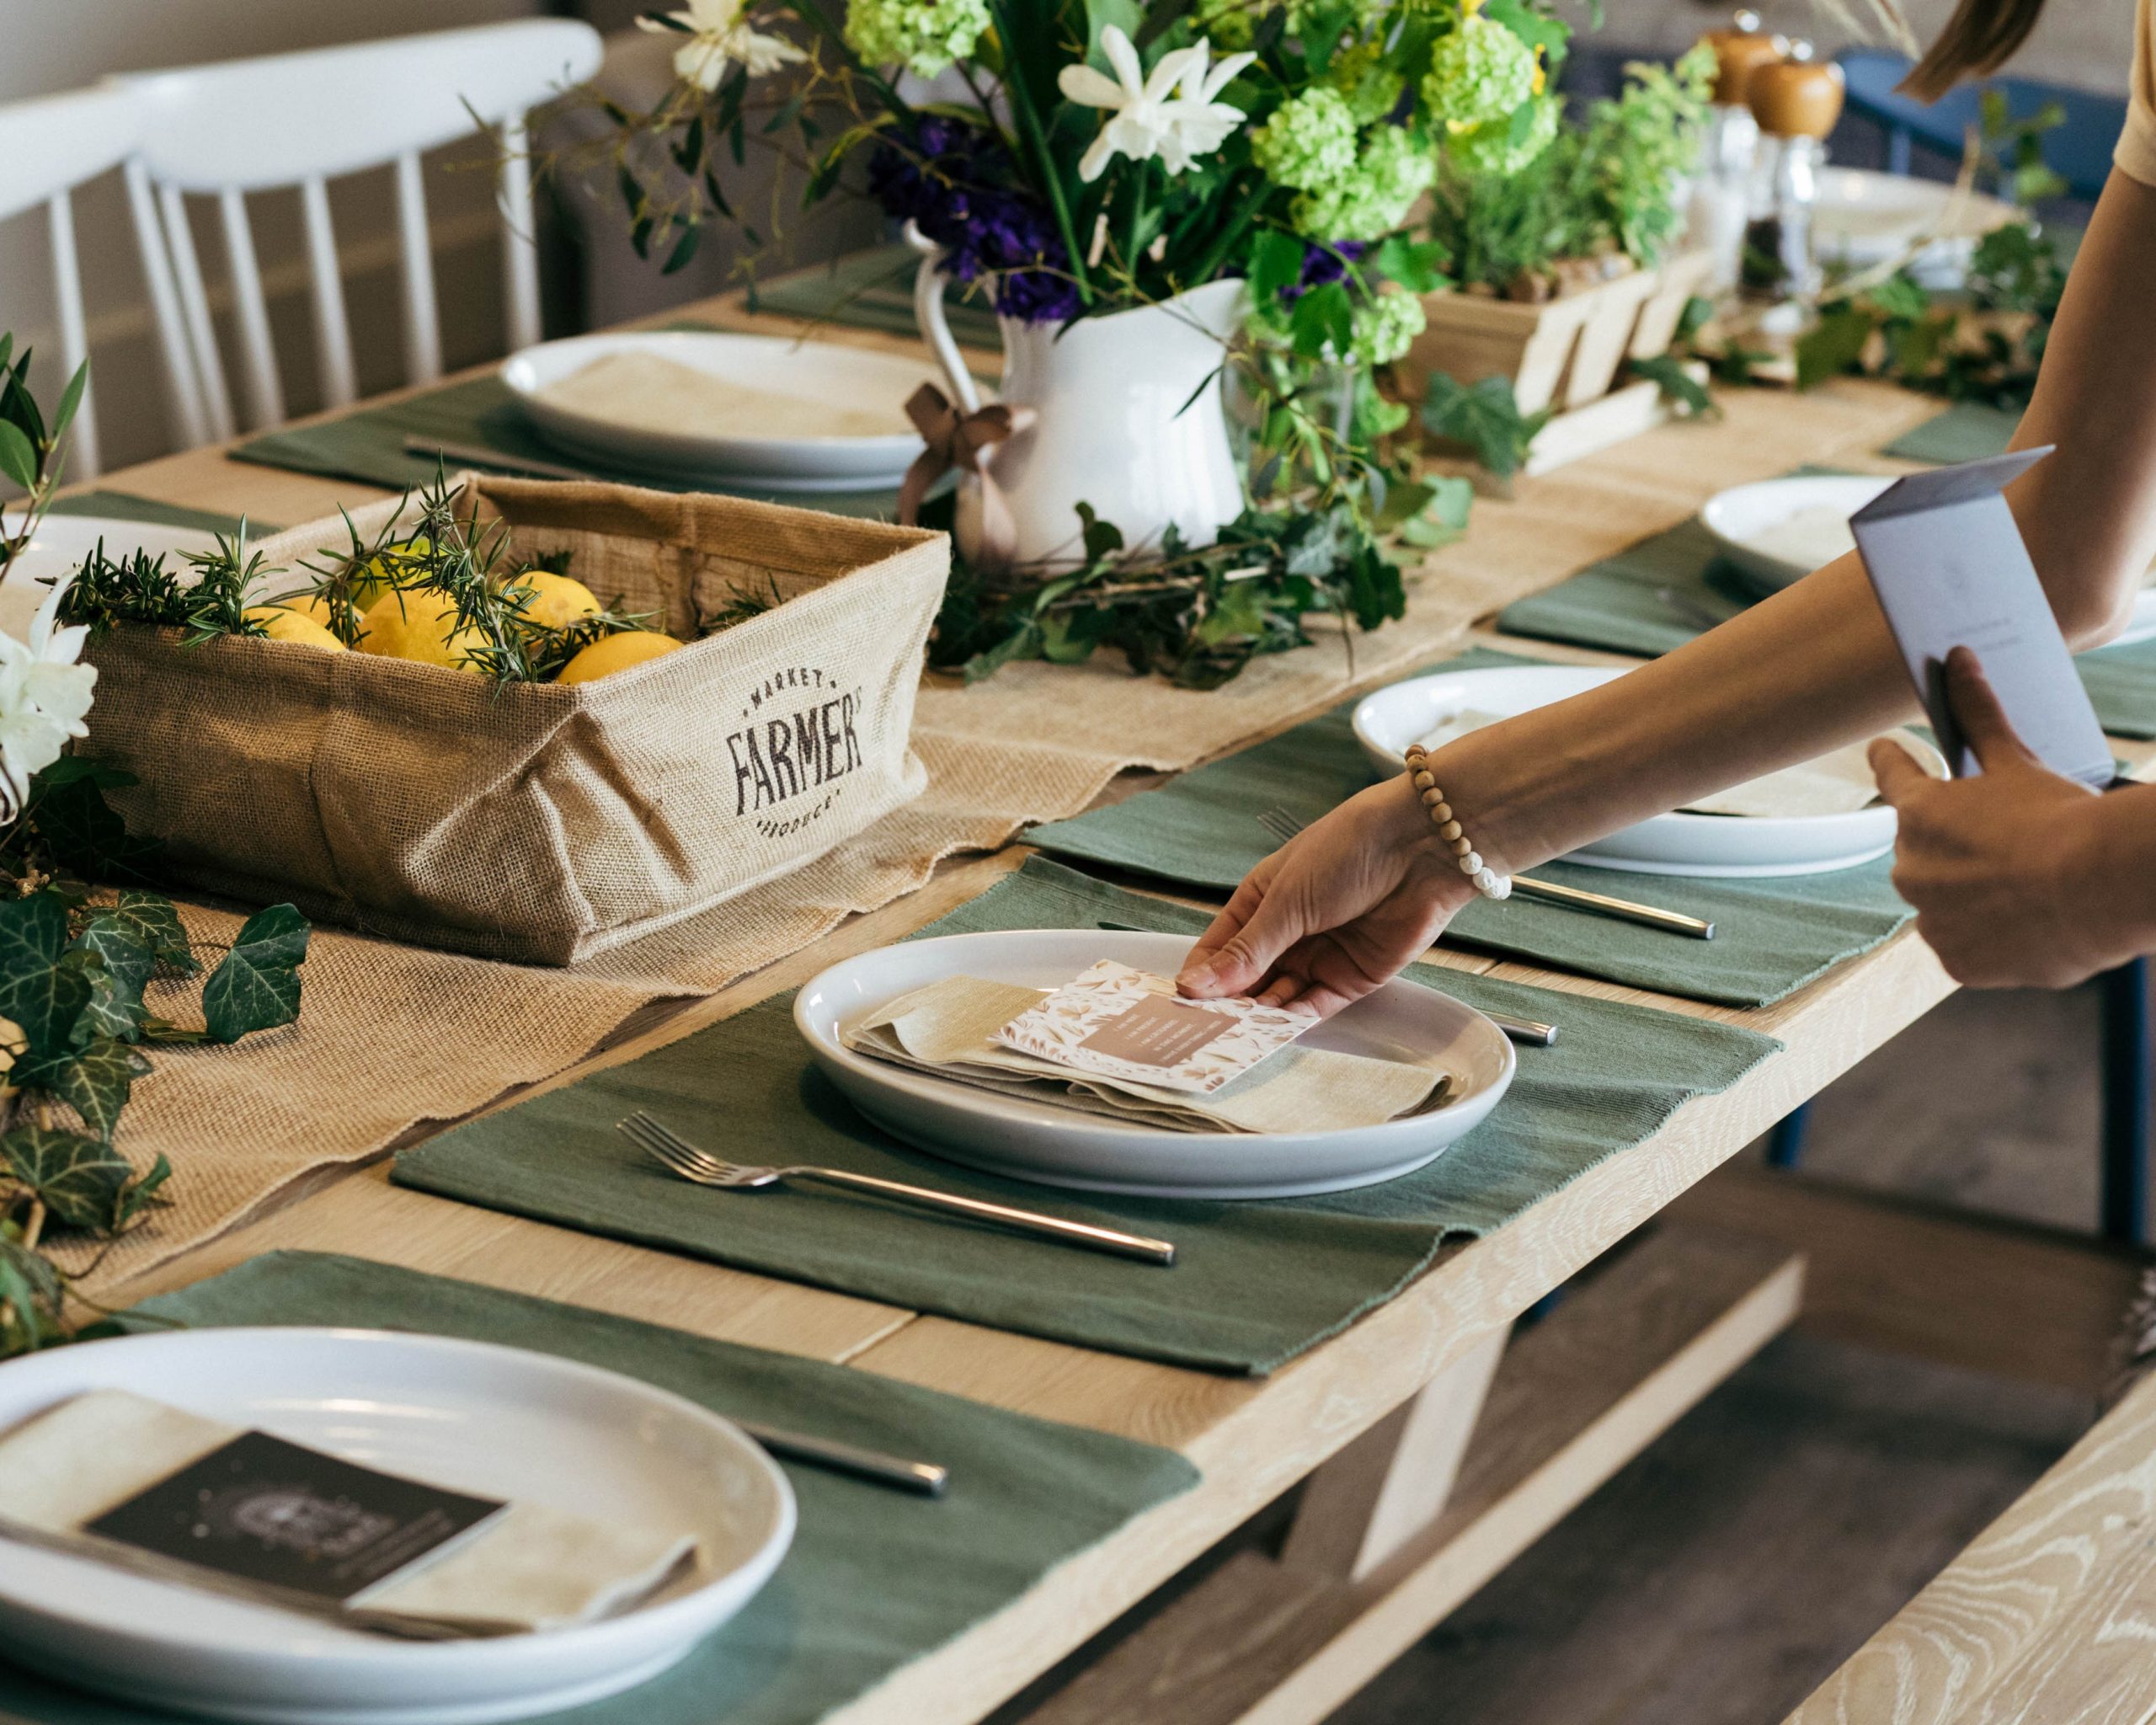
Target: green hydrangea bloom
<point>1386,326</point>
<point>1479,73</point>
<point>1309,142</point>
<point>1370,88</point>
<point>1489,149</point>
<point>1395,168</point>
<point>925,36</point>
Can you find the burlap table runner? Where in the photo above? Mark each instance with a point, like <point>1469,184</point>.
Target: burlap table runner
<point>1253,1284</point>
<point>392,1035</point>
<point>875,1578</point>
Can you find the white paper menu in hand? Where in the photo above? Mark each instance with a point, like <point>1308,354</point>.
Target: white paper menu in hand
<point>1950,570</point>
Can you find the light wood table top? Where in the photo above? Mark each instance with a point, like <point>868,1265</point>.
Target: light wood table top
<point>1252,1439</point>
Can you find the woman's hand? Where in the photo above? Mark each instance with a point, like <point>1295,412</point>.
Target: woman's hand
<point>1337,911</point>
<point>2006,870</point>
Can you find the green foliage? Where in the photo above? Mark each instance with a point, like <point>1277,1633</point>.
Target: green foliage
<point>1486,417</point>
<point>257,987</point>
<point>1604,188</point>
<point>31,449</point>
<point>1983,344</point>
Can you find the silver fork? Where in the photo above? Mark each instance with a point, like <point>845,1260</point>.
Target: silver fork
<point>1283,827</point>
<point>678,1156</point>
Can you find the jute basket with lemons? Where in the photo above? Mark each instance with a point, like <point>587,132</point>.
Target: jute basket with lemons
<point>523,718</point>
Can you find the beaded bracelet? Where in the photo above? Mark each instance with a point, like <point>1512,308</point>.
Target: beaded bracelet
<point>1486,880</point>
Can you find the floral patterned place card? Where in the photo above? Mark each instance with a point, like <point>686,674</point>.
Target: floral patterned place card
<point>1117,1022</point>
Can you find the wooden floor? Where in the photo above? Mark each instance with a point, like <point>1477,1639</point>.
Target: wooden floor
<point>1724,1574</point>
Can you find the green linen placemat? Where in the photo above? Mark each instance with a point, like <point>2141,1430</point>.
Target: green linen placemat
<point>1653,597</point>
<point>1254,1284</point>
<point>369,446</point>
<point>1772,937</point>
<point>125,506</point>
<point>1967,431</point>
<point>875,1577</point>
<point>872,289</point>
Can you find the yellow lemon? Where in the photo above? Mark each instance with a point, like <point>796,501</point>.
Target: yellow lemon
<point>557,602</point>
<point>281,624</point>
<point>613,652</point>
<point>368,587</point>
<point>314,606</point>
<point>419,625</point>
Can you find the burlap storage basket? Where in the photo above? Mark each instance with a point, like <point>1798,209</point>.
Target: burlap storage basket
<point>532,821</point>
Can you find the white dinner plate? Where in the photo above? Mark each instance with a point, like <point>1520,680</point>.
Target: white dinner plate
<point>814,370</point>
<point>1736,518</point>
<point>1731,847</point>
<point>1861,217</point>
<point>1036,1140</point>
<point>61,543</point>
<point>496,1421</point>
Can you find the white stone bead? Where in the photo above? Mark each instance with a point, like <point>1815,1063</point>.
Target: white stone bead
<point>1470,863</point>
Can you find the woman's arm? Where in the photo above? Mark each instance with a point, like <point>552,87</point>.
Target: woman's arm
<point>1361,892</point>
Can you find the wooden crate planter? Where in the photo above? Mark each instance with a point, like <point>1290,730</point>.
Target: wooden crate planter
<point>1564,354</point>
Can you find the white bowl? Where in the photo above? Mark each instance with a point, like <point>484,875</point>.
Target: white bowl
<point>1035,1140</point>
<point>1734,846</point>
<point>1738,517</point>
<point>812,370</point>
<point>498,1420</point>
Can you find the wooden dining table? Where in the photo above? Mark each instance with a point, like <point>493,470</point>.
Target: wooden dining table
<point>1350,1500</point>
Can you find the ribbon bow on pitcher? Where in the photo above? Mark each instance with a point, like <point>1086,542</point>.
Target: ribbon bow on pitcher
<point>962,441</point>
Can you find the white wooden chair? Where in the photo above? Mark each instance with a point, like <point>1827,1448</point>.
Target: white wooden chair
<point>301,119</point>
<point>49,146</point>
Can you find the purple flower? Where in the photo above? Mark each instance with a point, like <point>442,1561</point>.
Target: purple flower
<point>1322,264</point>
<point>956,182</point>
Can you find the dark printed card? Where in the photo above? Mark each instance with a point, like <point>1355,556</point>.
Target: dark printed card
<point>280,1515</point>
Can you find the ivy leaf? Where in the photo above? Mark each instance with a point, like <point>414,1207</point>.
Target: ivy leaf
<point>85,834</point>
<point>153,920</point>
<point>1486,417</point>
<point>1668,374</point>
<point>1416,265</point>
<point>141,1195</point>
<point>42,989</point>
<point>80,1181</point>
<point>1833,345</point>
<point>94,1082</point>
<point>125,966</point>
<point>257,987</point>
<point>1276,262</point>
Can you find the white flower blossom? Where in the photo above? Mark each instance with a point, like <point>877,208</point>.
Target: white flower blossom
<point>44,694</point>
<point>719,36</point>
<point>1152,117</point>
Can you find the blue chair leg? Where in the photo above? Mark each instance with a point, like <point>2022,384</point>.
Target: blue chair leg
<point>1785,1143</point>
<point>2125,1068</point>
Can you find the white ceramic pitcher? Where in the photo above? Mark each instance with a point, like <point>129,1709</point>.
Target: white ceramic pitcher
<point>1130,419</point>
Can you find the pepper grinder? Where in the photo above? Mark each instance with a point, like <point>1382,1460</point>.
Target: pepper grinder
<point>1796,100</point>
<point>1722,195</point>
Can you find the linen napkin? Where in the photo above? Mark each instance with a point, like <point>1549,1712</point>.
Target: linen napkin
<point>949,1029</point>
<point>66,1474</point>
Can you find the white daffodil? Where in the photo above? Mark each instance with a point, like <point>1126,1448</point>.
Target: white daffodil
<point>44,694</point>
<point>1151,117</point>
<point>1202,123</point>
<point>719,36</point>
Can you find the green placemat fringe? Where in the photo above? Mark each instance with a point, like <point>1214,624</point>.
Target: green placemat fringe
<point>875,1577</point>
<point>1254,1284</point>
<point>1967,431</point>
<point>125,506</point>
<point>873,289</point>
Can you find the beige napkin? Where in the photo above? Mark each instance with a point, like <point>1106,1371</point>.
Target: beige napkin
<point>949,1028</point>
<point>649,391</point>
<point>527,1568</point>
<point>1838,783</point>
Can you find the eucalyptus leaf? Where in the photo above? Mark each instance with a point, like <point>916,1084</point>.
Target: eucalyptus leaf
<point>18,459</point>
<point>257,987</point>
<point>31,1297</point>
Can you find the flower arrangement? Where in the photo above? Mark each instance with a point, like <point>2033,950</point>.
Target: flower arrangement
<point>1077,157</point>
<point>78,960</point>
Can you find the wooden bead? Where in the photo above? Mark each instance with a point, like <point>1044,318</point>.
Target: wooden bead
<point>1433,799</point>
<point>1461,847</point>
<point>1424,781</point>
<point>1449,829</point>
<point>1441,812</point>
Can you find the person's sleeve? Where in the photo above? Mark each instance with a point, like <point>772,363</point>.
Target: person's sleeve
<point>2136,154</point>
